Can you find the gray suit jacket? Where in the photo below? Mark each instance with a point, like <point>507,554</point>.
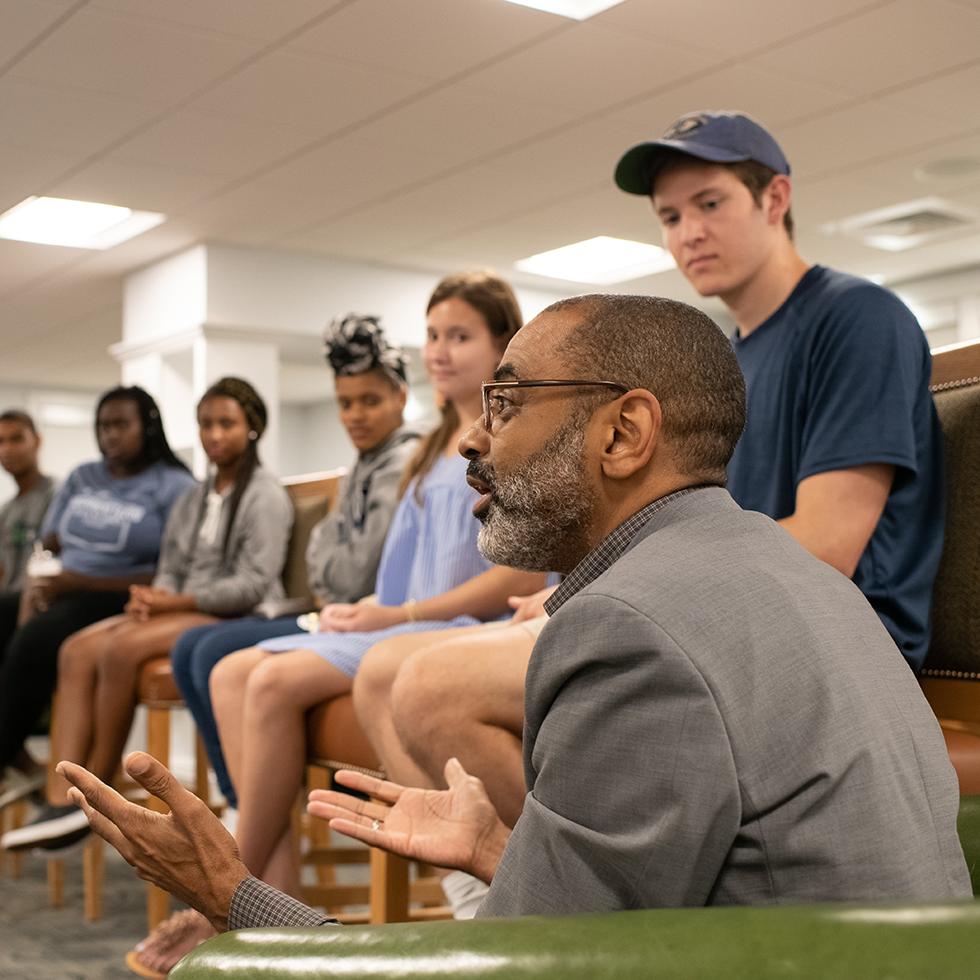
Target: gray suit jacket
<point>720,718</point>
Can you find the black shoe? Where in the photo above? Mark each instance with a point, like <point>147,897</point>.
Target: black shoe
<point>54,828</point>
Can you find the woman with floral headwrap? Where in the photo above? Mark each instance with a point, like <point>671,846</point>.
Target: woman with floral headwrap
<point>222,554</point>
<point>370,383</point>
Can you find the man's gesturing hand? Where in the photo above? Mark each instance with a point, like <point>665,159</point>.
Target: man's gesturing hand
<point>187,852</point>
<point>453,828</point>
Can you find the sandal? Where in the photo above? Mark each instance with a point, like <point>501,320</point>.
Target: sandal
<point>160,952</point>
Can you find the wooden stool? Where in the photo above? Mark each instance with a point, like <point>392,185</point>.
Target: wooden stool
<point>335,741</point>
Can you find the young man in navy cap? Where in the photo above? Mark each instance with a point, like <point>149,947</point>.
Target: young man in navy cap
<point>843,445</point>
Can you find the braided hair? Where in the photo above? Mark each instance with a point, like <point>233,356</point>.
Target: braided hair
<point>257,417</point>
<point>356,344</point>
<point>156,449</point>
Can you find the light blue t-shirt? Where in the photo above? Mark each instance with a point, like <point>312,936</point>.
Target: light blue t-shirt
<point>110,526</point>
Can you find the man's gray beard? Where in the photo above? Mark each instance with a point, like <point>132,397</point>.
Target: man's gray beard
<point>538,518</point>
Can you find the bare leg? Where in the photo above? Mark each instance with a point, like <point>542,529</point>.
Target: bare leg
<point>227,686</point>
<point>372,698</point>
<point>78,669</point>
<point>117,687</point>
<point>466,699</point>
<point>280,690</point>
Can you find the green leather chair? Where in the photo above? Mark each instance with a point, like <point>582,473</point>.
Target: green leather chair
<point>818,942</point>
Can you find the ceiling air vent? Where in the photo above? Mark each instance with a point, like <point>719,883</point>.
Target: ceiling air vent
<point>907,225</point>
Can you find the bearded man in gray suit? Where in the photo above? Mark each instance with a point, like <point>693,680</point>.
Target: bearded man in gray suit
<point>713,715</point>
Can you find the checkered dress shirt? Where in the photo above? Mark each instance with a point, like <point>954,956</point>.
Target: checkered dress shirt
<point>600,558</point>
<point>256,905</point>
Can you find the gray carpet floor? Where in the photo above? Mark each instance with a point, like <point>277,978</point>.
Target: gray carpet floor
<point>38,942</point>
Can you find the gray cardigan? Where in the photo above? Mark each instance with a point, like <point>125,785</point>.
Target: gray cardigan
<point>251,571</point>
<point>345,547</point>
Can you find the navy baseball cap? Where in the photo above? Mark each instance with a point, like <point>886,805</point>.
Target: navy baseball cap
<point>715,136</point>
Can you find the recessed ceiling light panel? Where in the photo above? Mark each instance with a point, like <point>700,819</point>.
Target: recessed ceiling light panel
<point>601,260</point>
<point>74,224</point>
<point>907,225</point>
<point>575,9</point>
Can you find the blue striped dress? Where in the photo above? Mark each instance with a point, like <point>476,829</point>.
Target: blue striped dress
<point>430,549</point>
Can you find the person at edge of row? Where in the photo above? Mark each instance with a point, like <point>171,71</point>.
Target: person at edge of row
<point>344,549</point>
<point>20,522</point>
<point>105,525</point>
<point>699,731</point>
<point>842,446</point>
<point>431,577</point>
<point>222,553</point>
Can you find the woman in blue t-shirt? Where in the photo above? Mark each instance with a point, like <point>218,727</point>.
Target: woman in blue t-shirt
<point>105,526</point>
<point>222,554</point>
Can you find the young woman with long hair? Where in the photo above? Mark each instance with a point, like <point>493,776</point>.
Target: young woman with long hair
<point>105,525</point>
<point>431,577</point>
<point>342,558</point>
<point>222,554</point>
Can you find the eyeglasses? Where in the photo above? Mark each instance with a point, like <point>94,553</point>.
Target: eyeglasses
<point>496,401</point>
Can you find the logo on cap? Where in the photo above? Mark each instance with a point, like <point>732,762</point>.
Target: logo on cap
<point>685,125</point>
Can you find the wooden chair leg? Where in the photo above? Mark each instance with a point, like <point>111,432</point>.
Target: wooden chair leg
<point>12,818</point>
<point>389,888</point>
<point>202,788</point>
<point>93,876</point>
<point>317,777</point>
<point>158,745</point>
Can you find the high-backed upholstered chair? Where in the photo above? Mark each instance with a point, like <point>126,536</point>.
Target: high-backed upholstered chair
<point>951,676</point>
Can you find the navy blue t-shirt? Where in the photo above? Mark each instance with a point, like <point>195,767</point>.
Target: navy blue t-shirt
<point>838,377</point>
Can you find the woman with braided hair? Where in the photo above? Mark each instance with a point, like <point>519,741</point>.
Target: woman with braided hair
<point>345,547</point>
<point>222,554</point>
<point>370,383</point>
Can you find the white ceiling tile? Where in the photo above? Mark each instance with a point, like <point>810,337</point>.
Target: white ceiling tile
<point>246,215</point>
<point>209,143</point>
<point>462,124</point>
<point>245,18</point>
<point>24,21</point>
<point>112,180</point>
<point>864,133</point>
<point>888,46</point>
<point>729,29</point>
<point>347,172</point>
<point>817,201</point>
<point>64,119</point>
<point>589,67</point>
<point>953,95</point>
<point>312,94</point>
<point>771,98</point>
<point>158,63</point>
<point>22,263</point>
<point>434,39</point>
<point>28,170</point>
<point>900,173</point>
